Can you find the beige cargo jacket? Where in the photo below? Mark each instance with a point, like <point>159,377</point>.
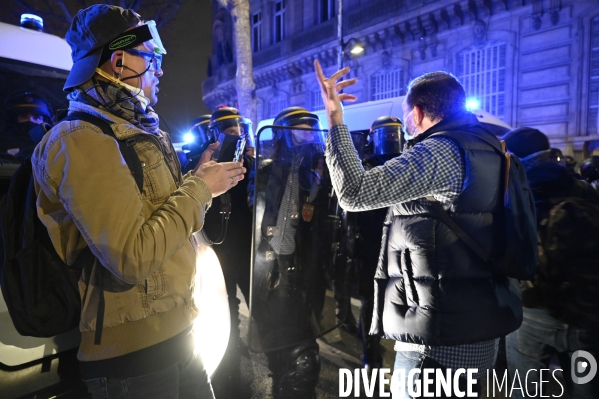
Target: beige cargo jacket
<point>88,197</point>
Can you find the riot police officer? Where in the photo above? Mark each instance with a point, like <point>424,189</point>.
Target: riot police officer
<point>589,170</point>
<point>203,137</point>
<point>25,111</point>
<point>292,189</point>
<point>228,226</point>
<point>386,141</point>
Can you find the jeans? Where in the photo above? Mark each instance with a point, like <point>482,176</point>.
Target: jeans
<point>184,380</point>
<point>413,360</point>
<point>532,345</point>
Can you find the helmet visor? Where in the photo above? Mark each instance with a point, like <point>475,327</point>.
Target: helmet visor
<point>302,135</point>
<point>387,140</point>
<point>236,126</point>
<point>202,134</point>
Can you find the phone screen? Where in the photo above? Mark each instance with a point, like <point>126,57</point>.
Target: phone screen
<point>226,150</point>
<point>239,150</point>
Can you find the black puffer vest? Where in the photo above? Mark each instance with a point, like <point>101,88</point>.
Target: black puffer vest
<point>430,287</point>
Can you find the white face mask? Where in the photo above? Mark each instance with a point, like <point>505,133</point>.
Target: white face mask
<point>137,92</point>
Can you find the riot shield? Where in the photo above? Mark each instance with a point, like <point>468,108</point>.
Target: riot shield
<point>293,239</point>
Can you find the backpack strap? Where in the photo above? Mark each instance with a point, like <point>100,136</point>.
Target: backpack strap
<point>134,164</point>
<point>442,213</point>
<point>126,146</point>
<point>508,165</point>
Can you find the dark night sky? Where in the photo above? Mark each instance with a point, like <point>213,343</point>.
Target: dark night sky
<point>187,38</point>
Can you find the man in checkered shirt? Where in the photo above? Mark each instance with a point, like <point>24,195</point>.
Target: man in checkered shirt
<point>434,296</point>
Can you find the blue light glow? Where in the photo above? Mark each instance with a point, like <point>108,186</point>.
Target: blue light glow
<point>189,138</point>
<point>28,17</point>
<point>472,103</point>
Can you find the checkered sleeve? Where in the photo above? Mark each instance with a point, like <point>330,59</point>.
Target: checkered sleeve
<point>481,356</point>
<point>431,167</point>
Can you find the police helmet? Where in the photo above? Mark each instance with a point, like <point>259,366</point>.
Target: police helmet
<point>569,161</point>
<point>228,120</point>
<point>556,155</point>
<point>589,169</point>
<point>200,128</point>
<point>386,135</point>
<point>295,116</point>
<point>28,103</point>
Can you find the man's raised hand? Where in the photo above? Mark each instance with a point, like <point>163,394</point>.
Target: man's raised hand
<point>331,97</point>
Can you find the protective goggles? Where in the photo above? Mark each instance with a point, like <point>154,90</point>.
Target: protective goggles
<point>154,59</point>
<point>134,37</point>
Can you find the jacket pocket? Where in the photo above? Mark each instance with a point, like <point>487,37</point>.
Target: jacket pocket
<point>155,286</point>
<point>158,183</point>
<point>158,180</point>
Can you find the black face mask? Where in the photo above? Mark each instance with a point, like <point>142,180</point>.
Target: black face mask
<point>23,128</point>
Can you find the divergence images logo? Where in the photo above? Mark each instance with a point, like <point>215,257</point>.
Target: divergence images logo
<point>583,363</point>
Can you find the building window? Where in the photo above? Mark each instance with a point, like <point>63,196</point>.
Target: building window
<point>326,10</point>
<point>279,21</point>
<point>387,83</point>
<point>276,105</point>
<point>593,113</point>
<point>259,109</point>
<point>482,72</point>
<point>256,32</point>
<point>316,103</point>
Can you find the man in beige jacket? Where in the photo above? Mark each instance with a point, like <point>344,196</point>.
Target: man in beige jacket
<point>137,298</point>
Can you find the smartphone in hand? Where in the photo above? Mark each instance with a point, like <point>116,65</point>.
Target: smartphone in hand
<point>239,150</point>
<point>226,150</point>
<point>231,148</point>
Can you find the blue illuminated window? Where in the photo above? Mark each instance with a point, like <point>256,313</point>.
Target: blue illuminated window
<point>277,104</point>
<point>326,10</point>
<point>387,83</point>
<point>593,113</point>
<point>256,32</point>
<point>259,108</point>
<point>481,70</point>
<point>279,21</point>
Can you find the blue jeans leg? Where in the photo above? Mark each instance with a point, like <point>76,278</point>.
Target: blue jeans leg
<point>184,380</point>
<point>406,361</point>
<point>529,350</point>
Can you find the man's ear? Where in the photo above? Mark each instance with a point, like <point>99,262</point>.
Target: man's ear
<point>116,62</point>
<point>417,115</point>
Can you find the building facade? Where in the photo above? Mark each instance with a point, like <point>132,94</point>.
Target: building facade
<point>529,62</point>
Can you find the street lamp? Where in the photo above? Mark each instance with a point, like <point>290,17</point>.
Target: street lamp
<point>355,46</point>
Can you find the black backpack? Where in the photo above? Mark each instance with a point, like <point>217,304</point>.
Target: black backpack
<point>40,290</point>
<point>569,261</point>
<point>516,225</point>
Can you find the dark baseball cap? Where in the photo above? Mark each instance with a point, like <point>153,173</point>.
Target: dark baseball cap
<point>92,29</point>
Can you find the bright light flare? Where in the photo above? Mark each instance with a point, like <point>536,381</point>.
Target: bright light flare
<point>357,49</point>
<point>213,326</point>
<point>189,138</point>
<point>472,103</point>
<point>29,17</point>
